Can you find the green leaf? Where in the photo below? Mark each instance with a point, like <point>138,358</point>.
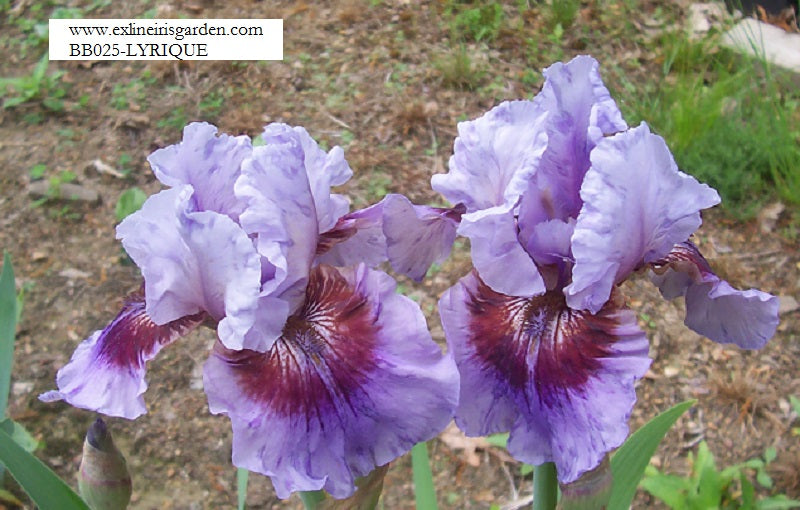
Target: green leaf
<point>670,489</point>
<point>42,485</point>
<point>770,454</point>
<point>424,492</point>
<point>19,434</point>
<point>777,503</point>
<point>242,476</point>
<point>8,327</point>
<point>708,482</point>
<point>632,457</point>
<point>763,478</point>
<point>129,202</point>
<point>7,497</point>
<point>795,404</point>
<point>41,68</point>
<point>500,440</point>
<point>748,492</point>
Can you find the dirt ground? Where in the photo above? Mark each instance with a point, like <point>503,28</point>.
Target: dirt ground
<point>374,78</point>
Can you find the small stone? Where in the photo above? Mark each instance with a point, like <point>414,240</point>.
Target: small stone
<point>65,191</point>
<point>670,371</point>
<point>73,274</point>
<point>788,304</point>
<point>20,388</point>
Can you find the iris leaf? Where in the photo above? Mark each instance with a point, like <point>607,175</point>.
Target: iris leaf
<point>43,486</point>
<point>8,327</point>
<point>630,461</point>
<point>424,492</point>
<point>242,476</point>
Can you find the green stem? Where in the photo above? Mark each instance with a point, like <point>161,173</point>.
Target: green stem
<point>545,487</point>
<point>424,491</point>
<point>312,498</point>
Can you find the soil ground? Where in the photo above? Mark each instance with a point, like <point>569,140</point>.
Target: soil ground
<point>379,79</point>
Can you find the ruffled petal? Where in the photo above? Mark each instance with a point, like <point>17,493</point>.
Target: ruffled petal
<point>356,238</point>
<point>192,262</point>
<point>580,112</point>
<point>207,162</point>
<point>323,169</point>
<point>418,235</point>
<point>494,156</point>
<point>577,87</point>
<point>637,206</point>
<point>747,318</point>
<point>561,381</point>
<point>496,249</point>
<point>106,372</point>
<point>281,212</point>
<point>354,382</point>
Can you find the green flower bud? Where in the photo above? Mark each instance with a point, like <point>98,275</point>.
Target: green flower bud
<point>591,491</point>
<point>103,479</point>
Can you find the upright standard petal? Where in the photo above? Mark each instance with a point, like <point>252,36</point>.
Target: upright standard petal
<point>209,163</point>
<point>192,262</point>
<point>497,254</point>
<point>354,382</point>
<point>323,169</point>
<point>580,112</point>
<point>494,156</point>
<point>637,206</point>
<point>560,380</point>
<point>282,214</point>
<point>106,372</point>
<point>747,318</point>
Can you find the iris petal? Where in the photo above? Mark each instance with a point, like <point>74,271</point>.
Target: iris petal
<point>581,111</point>
<point>209,163</point>
<point>418,235</point>
<point>193,261</point>
<point>354,381</point>
<point>562,381</point>
<point>497,253</point>
<point>281,212</point>
<point>357,237</point>
<point>747,318</point>
<point>494,156</point>
<point>637,206</point>
<point>106,372</point>
<point>323,169</point>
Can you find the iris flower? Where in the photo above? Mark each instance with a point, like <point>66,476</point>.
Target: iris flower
<point>324,370</point>
<point>563,203</point>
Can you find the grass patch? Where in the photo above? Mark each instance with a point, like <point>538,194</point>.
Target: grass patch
<point>478,23</point>
<point>729,121</point>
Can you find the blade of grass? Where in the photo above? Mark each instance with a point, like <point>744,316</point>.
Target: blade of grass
<point>8,325</point>
<point>424,492</point>
<point>242,476</point>
<point>43,486</point>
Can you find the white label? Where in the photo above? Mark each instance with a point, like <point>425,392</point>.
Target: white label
<point>166,39</point>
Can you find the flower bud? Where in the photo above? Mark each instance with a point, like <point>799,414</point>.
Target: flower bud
<point>103,479</point>
<point>591,491</point>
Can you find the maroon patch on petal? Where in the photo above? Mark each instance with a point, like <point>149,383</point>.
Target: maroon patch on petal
<point>132,336</point>
<point>539,338</point>
<point>344,229</point>
<point>685,258</point>
<point>323,357</point>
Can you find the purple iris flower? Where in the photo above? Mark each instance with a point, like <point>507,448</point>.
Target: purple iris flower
<point>563,203</point>
<point>324,370</point>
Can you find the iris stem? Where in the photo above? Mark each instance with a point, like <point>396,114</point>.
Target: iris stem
<point>312,498</point>
<point>545,487</point>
